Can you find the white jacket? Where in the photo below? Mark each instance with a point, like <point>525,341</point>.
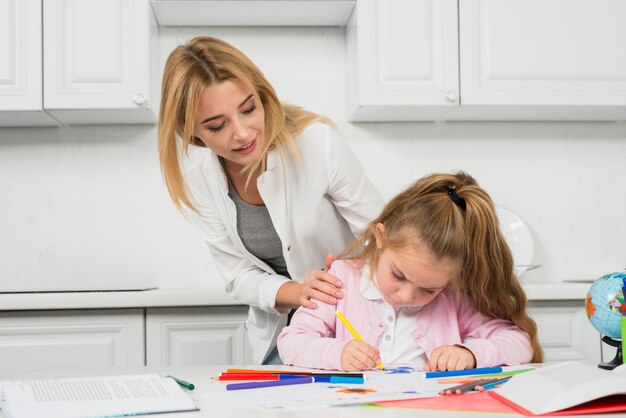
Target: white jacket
<point>317,207</point>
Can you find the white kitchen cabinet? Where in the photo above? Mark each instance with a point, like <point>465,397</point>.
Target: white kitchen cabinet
<point>98,66</point>
<point>197,336</point>
<point>98,57</point>
<point>402,58</point>
<point>519,60</point>
<point>565,333</point>
<point>42,339</point>
<point>21,71</point>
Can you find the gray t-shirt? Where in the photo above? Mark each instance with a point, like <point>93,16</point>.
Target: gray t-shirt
<point>258,234</point>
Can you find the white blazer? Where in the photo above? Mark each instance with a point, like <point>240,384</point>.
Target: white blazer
<point>317,206</point>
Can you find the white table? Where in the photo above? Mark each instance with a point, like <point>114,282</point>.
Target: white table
<point>200,376</point>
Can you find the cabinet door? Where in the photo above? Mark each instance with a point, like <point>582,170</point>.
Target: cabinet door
<point>565,333</point>
<point>402,60</point>
<point>197,336</point>
<point>97,60</point>
<point>542,60</point>
<point>44,339</point>
<point>21,94</point>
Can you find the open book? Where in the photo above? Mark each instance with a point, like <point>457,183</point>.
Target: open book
<point>565,388</point>
<point>93,396</point>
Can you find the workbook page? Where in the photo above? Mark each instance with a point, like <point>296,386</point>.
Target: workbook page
<point>92,396</point>
<point>562,385</point>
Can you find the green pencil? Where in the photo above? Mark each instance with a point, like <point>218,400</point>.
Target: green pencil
<point>623,324</point>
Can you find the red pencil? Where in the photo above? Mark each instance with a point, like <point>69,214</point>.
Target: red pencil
<point>247,376</point>
<point>231,371</point>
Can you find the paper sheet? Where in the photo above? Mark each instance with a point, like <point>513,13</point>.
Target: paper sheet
<point>92,396</point>
<point>378,386</point>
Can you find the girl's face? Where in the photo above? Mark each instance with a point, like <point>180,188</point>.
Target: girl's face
<point>413,276</point>
<point>231,122</point>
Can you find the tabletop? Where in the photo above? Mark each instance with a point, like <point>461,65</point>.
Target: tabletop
<point>203,377</point>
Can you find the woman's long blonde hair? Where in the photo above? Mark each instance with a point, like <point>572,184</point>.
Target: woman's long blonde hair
<point>432,208</point>
<point>189,70</point>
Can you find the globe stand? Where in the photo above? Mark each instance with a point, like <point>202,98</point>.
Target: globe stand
<point>618,359</point>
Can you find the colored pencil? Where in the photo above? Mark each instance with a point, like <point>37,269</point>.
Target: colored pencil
<point>255,385</point>
<point>467,387</point>
<point>491,385</point>
<point>355,334</point>
<point>291,372</point>
<point>469,379</point>
<point>467,372</point>
<point>250,376</point>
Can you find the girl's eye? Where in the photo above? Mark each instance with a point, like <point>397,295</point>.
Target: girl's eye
<point>216,129</point>
<point>429,292</point>
<point>397,276</point>
<point>249,110</point>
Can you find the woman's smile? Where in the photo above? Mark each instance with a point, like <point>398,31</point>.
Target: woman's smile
<point>247,148</point>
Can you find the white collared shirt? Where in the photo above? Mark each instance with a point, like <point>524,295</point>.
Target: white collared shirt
<point>317,206</point>
<point>397,346</point>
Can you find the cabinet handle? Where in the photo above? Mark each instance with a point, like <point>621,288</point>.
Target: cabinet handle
<point>451,96</point>
<point>139,99</point>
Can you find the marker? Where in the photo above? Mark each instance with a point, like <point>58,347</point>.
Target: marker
<point>181,382</point>
<point>450,373</point>
<point>353,332</point>
<point>255,385</point>
<point>340,379</point>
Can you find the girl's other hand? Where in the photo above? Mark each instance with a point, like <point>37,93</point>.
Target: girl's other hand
<point>321,286</point>
<point>358,355</point>
<point>450,357</point>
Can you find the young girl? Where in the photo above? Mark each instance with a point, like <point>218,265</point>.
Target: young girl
<point>428,283</point>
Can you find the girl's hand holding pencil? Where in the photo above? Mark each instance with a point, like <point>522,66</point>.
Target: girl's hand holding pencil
<point>358,355</point>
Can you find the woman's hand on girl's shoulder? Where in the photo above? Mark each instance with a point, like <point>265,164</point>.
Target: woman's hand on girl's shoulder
<point>322,286</point>
<point>450,357</point>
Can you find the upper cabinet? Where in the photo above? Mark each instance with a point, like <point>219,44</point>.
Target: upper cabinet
<point>487,60</point>
<point>402,60</point>
<point>21,71</point>
<point>99,61</point>
<point>98,57</point>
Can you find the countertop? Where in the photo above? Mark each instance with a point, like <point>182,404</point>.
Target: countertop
<point>208,296</point>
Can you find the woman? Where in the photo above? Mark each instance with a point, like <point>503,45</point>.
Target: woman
<point>269,187</point>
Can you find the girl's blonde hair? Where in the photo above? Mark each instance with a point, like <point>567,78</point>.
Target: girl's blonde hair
<point>189,70</point>
<point>455,219</point>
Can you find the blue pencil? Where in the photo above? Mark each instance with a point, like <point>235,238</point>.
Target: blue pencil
<point>492,385</point>
<point>450,373</point>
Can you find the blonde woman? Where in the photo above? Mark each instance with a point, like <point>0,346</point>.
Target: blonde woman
<point>269,186</point>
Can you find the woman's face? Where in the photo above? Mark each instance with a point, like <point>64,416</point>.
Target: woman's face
<point>231,122</point>
<point>412,277</point>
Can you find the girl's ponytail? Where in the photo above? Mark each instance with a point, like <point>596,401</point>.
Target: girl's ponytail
<point>488,274</point>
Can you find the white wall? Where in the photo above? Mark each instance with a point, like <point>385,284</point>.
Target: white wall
<point>85,206</point>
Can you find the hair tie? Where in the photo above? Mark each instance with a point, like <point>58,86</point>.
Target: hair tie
<point>459,201</point>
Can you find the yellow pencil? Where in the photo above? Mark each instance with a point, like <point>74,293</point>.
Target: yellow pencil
<point>353,332</point>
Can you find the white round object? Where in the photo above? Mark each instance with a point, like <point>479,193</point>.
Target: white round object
<point>518,237</point>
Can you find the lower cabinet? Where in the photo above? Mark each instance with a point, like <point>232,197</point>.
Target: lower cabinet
<point>42,339</point>
<point>565,333</point>
<point>197,336</point>
<point>212,335</point>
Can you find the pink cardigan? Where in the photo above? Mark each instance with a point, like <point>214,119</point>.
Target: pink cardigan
<point>315,338</point>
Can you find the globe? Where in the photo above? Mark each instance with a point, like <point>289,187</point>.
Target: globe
<point>605,304</point>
